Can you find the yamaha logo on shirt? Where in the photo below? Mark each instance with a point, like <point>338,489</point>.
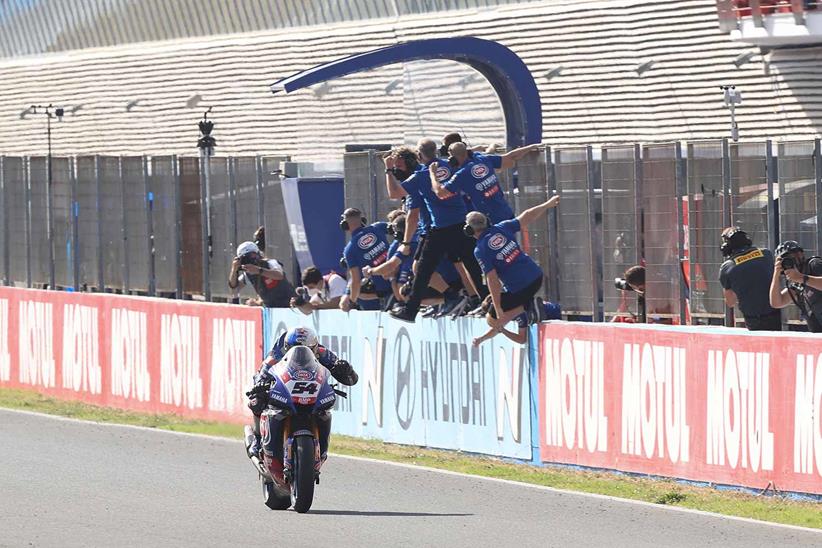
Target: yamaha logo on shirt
<point>442,173</point>
<point>366,241</point>
<point>479,171</point>
<point>497,241</point>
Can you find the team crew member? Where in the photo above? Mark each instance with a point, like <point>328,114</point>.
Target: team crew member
<point>746,277</point>
<point>804,277</point>
<point>445,237</point>
<point>513,277</point>
<point>475,176</point>
<point>368,247</point>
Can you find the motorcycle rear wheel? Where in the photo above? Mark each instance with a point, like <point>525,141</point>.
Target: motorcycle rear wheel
<point>273,498</point>
<point>302,485</point>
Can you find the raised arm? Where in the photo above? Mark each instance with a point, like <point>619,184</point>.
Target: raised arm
<point>779,296</point>
<point>511,158</point>
<point>436,185</point>
<point>534,213</point>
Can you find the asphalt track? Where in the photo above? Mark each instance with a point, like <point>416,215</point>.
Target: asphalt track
<point>72,483</point>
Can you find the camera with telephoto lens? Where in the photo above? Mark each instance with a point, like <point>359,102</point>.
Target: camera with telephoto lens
<point>302,296</point>
<point>622,283</point>
<point>249,258</point>
<point>788,263</point>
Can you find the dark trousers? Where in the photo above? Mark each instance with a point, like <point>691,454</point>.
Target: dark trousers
<point>768,322</point>
<point>448,242</point>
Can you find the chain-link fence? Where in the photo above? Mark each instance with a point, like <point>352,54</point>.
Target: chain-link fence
<point>137,224</point>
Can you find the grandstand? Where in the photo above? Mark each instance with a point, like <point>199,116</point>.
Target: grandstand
<point>135,76</point>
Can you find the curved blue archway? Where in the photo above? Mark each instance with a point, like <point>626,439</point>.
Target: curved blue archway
<point>503,69</point>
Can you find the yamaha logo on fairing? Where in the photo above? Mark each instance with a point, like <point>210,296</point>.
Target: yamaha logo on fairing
<point>479,171</point>
<point>279,398</point>
<point>443,173</point>
<point>366,241</point>
<point>497,241</point>
<point>406,375</point>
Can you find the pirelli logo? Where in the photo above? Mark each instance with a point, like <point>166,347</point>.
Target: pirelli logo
<point>755,254</point>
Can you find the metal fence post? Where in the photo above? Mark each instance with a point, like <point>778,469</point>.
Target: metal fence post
<point>124,226</point>
<point>50,216</point>
<point>4,237</point>
<point>178,220</point>
<point>101,277</point>
<point>149,198</point>
<point>27,169</point>
<point>74,213</point>
<point>817,171</point>
<point>771,167</point>
<point>596,311</point>
<point>205,215</point>
<point>259,168</point>
<point>233,231</point>
<point>553,252</point>
<point>726,208</point>
<point>680,217</point>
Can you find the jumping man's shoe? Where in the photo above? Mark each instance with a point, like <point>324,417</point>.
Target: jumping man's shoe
<point>403,315</point>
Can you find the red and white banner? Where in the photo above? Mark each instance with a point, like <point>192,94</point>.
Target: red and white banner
<point>712,405</point>
<point>155,355</point>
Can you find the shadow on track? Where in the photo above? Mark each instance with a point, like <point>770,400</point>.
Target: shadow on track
<point>385,514</point>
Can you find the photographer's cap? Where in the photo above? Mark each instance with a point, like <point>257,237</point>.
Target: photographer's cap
<point>788,246</point>
<point>247,247</point>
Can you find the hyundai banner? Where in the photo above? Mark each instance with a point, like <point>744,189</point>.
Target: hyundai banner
<point>424,383</point>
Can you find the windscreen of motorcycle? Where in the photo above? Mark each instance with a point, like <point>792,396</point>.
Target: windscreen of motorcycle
<point>303,376</point>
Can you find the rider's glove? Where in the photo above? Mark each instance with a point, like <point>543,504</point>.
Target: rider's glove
<point>344,373</point>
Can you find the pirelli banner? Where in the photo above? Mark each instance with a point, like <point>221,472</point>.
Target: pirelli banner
<point>425,384</point>
<point>708,404</point>
<point>155,355</point>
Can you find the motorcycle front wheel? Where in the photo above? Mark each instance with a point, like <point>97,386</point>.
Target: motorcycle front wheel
<point>302,483</point>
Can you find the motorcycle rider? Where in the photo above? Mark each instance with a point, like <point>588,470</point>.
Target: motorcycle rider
<point>341,370</point>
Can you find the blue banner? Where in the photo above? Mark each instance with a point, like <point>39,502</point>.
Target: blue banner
<point>313,208</point>
<point>424,383</point>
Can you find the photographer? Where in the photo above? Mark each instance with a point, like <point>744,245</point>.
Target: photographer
<point>744,276</point>
<point>266,276</point>
<point>632,280</point>
<point>318,292</point>
<point>803,278</point>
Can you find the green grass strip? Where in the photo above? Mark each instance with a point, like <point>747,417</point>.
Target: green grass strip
<point>733,503</point>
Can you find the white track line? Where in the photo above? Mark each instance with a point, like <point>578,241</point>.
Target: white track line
<point>446,472</point>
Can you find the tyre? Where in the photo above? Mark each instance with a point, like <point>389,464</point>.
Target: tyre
<point>302,486</point>
<point>273,498</point>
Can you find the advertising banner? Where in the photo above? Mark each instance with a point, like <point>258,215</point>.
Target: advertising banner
<point>708,404</point>
<point>151,355</point>
<point>424,383</point>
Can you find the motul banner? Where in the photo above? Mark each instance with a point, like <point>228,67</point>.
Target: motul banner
<point>156,355</point>
<point>708,404</point>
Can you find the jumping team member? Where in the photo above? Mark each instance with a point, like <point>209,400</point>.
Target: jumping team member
<point>445,237</point>
<point>513,277</point>
<point>368,247</point>
<point>476,177</point>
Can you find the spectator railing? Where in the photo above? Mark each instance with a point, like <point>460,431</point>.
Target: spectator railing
<point>135,224</point>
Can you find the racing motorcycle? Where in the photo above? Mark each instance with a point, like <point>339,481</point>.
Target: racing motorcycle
<point>294,430</point>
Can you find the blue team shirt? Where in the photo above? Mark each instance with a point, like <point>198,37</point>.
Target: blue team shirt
<point>369,247</point>
<point>415,201</point>
<point>497,249</point>
<point>478,180</point>
<point>444,211</point>
<point>406,261</point>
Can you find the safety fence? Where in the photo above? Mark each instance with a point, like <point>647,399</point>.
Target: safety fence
<point>712,405</point>
<point>137,224</point>
<point>159,226</point>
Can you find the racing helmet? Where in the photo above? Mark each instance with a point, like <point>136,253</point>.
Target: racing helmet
<point>300,357</point>
<point>300,336</point>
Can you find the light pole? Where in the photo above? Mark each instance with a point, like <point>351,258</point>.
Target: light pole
<point>50,111</point>
<point>732,98</point>
<point>206,144</point>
